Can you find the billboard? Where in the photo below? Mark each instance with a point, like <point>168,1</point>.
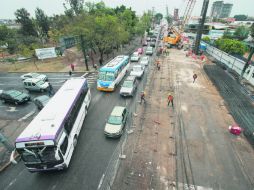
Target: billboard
<point>46,53</point>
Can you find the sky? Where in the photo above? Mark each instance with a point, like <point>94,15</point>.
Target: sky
<point>50,7</point>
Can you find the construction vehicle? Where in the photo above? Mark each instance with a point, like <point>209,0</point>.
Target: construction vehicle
<point>174,33</point>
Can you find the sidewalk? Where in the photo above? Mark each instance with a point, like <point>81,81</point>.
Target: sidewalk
<point>150,150</point>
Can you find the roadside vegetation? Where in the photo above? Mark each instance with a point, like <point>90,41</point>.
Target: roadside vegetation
<point>95,28</point>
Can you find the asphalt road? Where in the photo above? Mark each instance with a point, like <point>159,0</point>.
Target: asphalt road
<point>92,154</point>
<point>9,81</point>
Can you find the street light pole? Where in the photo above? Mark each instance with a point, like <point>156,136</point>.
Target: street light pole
<point>201,26</point>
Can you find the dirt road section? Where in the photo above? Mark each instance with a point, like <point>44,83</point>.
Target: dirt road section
<point>150,162</point>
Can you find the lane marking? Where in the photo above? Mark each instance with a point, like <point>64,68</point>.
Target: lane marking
<point>26,116</point>
<point>12,109</point>
<point>101,180</point>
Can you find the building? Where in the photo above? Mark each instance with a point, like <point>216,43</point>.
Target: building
<point>176,14</point>
<point>220,9</point>
<point>226,10</point>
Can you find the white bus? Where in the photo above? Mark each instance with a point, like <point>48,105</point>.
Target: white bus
<point>112,73</point>
<point>49,140</point>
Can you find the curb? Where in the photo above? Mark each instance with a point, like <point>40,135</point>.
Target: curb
<point>8,163</point>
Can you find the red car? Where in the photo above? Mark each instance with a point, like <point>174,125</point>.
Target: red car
<point>140,51</point>
<point>235,129</point>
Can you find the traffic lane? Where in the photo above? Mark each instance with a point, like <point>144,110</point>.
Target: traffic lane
<point>90,158</point>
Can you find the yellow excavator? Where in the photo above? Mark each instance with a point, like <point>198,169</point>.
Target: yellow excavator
<point>174,36</point>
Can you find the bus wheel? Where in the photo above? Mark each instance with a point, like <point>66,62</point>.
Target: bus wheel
<point>75,140</point>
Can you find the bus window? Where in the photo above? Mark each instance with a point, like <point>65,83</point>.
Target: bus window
<point>102,76</point>
<point>110,76</point>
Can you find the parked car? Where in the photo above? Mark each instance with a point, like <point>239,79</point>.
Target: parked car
<point>149,50</point>
<point>135,56</point>
<point>138,71</point>
<point>116,122</point>
<point>129,86</point>
<point>145,43</point>
<point>144,60</point>
<point>14,96</point>
<point>153,39</point>
<point>34,75</point>
<point>148,39</point>
<point>140,51</point>
<point>35,84</point>
<point>152,44</point>
<point>41,101</point>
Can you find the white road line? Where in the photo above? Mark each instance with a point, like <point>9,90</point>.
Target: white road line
<point>192,187</point>
<point>26,116</point>
<point>102,178</point>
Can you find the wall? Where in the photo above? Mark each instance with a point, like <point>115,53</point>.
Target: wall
<point>231,62</point>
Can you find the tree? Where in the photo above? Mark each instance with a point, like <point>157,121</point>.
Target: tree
<point>206,39</point>
<point>241,32</point>
<point>158,17</point>
<point>27,26</point>
<point>77,6</point>
<point>231,46</point>
<point>240,17</point>
<point>227,34</point>
<point>252,31</point>
<point>169,19</point>
<point>8,38</point>
<point>42,21</point>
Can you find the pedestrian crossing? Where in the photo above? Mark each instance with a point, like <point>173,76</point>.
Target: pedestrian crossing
<point>91,78</point>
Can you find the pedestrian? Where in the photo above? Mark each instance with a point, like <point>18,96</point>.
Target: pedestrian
<point>142,97</point>
<point>170,99</point>
<point>72,67</point>
<point>50,89</point>
<point>70,73</point>
<point>158,64</point>
<point>100,61</point>
<point>195,76</point>
<point>95,66</point>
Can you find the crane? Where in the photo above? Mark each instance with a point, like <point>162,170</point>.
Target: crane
<point>174,34</point>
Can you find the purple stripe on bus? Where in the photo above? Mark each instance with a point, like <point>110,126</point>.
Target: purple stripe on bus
<point>52,137</point>
<point>48,137</point>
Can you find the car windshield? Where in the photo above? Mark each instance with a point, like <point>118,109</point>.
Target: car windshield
<point>39,154</point>
<point>34,75</point>
<point>115,120</point>
<point>128,84</point>
<point>40,82</point>
<point>106,76</point>
<point>15,93</point>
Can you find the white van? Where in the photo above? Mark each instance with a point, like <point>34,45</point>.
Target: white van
<point>138,71</point>
<point>35,84</point>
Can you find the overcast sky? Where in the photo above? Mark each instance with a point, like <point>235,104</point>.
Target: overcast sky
<point>8,7</point>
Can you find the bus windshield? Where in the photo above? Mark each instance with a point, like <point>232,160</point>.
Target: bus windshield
<point>39,154</point>
<point>106,76</point>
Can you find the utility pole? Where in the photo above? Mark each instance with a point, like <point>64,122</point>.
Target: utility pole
<point>201,26</point>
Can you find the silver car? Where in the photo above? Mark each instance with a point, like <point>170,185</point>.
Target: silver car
<point>144,61</point>
<point>129,86</point>
<point>149,50</point>
<point>34,75</point>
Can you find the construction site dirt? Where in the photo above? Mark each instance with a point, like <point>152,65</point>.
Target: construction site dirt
<point>188,146</point>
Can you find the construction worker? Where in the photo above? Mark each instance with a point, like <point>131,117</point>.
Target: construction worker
<point>170,99</point>
<point>158,64</point>
<point>195,76</point>
<point>142,97</point>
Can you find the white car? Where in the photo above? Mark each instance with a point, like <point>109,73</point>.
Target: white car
<point>144,61</point>
<point>129,86</point>
<point>138,71</point>
<point>116,122</point>
<point>35,84</point>
<point>34,75</point>
<point>135,56</point>
<point>149,50</point>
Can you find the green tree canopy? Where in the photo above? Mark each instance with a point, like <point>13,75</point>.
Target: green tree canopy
<point>252,31</point>
<point>42,21</point>
<point>27,26</point>
<point>158,17</point>
<point>240,17</point>
<point>241,32</point>
<point>231,46</point>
